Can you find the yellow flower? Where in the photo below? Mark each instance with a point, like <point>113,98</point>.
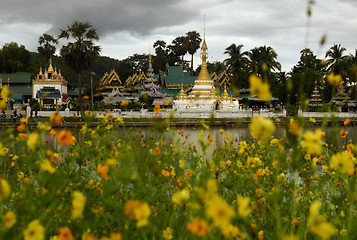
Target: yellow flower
<point>243,206</point>
<point>181,196</point>
<point>260,235</point>
<point>259,88</point>
<point>313,120</point>
<point>78,203</point>
<point>167,233</point>
<point>342,162</point>
<point>32,140</point>
<point>47,166</point>
<point>4,189</point>
<point>9,219</point>
<point>334,80</point>
<point>3,150</point>
<point>5,93</point>
<point>219,211</point>
<point>317,224</point>
<point>261,127</point>
<point>142,212</point>
<point>312,142</point>
<point>34,231</point>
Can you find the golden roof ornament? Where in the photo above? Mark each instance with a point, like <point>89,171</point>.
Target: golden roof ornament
<point>40,73</point>
<point>50,68</point>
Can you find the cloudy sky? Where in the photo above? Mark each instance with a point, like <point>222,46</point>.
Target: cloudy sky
<point>127,27</point>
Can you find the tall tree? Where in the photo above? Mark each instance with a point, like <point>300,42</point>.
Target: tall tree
<point>46,49</point>
<point>193,44</point>
<point>15,59</point>
<point>161,58</point>
<point>236,63</point>
<point>81,53</point>
<point>303,76</point>
<point>262,60</point>
<point>336,61</point>
<point>179,47</point>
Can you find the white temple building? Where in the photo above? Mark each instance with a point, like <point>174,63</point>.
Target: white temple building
<point>50,87</point>
<point>204,97</point>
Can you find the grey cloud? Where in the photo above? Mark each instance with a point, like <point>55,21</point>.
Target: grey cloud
<point>108,16</point>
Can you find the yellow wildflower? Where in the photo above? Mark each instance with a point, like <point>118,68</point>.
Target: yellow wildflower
<point>4,189</point>
<point>5,93</point>
<point>142,212</point>
<point>259,88</point>
<point>312,142</point>
<point>34,231</point>
<point>342,162</point>
<point>243,206</point>
<point>32,140</point>
<point>317,223</point>
<point>334,80</point>
<point>9,219</point>
<point>261,127</point>
<point>78,203</point>
<point>47,166</point>
<point>181,196</point>
<point>167,233</point>
<point>219,211</point>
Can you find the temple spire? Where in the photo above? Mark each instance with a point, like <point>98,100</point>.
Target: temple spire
<point>204,75</point>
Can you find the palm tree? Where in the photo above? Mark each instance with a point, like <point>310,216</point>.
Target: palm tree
<point>193,44</point>
<point>46,49</point>
<point>179,47</point>
<point>337,61</point>
<point>262,60</point>
<point>81,53</point>
<point>236,63</point>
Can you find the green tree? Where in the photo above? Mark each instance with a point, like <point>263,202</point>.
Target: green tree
<point>303,76</point>
<point>179,48</point>
<point>81,53</point>
<point>336,61</point>
<point>194,40</point>
<point>15,59</point>
<point>161,58</point>
<point>262,60</point>
<point>236,62</point>
<point>46,49</point>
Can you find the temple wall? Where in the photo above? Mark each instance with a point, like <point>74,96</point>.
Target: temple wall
<point>166,113</point>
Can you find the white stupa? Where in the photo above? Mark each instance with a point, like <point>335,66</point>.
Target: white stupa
<point>204,97</point>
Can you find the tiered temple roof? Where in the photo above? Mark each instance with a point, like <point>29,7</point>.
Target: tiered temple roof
<point>315,100</point>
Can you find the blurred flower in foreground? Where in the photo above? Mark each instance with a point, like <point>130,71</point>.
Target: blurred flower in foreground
<point>261,127</point>
<point>65,137</point>
<point>342,162</point>
<point>259,88</point>
<point>9,219</point>
<point>198,226</point>
<point>78,203</point>
<point>317,224</point>
<point>34,231</point>
<point>65,234</point>
<point>334,80</point>
<point>312,142</point>
<point>167,233</point>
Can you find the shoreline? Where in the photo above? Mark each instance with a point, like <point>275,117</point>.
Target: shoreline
<point>224,123</point>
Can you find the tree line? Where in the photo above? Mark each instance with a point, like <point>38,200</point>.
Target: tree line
<point>81,55</point>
